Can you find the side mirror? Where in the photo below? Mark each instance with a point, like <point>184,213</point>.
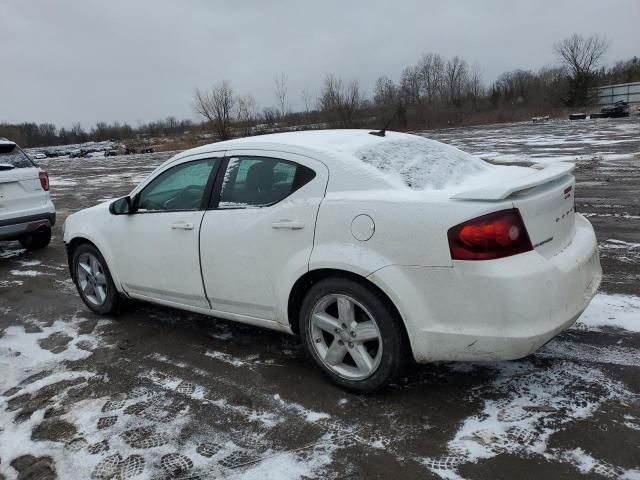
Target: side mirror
<point>122,206</point>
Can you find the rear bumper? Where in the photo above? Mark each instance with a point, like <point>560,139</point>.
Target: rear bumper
<point>14,228</point>
<point>494,310</point>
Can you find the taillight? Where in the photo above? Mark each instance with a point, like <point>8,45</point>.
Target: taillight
<point>496,235</point>
<point>44,181</point>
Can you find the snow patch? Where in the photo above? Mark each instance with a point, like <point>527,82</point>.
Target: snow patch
<point>225,357</point>
<point>12,252</point>
<point>249,361</point>
<point>582,352</point>
<point>27,273</point>
<point>309,415</point>
<point>527,405</point>
<point>618,311</point>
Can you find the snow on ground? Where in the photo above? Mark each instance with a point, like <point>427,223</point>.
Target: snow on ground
<point>626,252</point>
<point>11,252</point>
<point>529,402</point>
<point>134,433</point>
<point>559,140</point>
<point>33,360</point>
<point>101,176</point>
<point>26,273</point>
<point>619,311</point>
<point>185,418</point>
<point>532,404</point>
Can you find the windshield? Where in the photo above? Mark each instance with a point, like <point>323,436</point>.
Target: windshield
<point>10,154</point>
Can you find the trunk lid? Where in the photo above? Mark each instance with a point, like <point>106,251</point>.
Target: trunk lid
<point>20,190</point>
<point>545,198</point>
<point>548,212</point>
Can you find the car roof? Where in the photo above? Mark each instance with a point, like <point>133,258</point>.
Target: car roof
<point>335,148</point>
<point>359,160</point>
<point>343,141</point>
<point>4,141</point>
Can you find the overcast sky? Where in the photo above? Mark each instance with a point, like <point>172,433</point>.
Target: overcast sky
<point>140,60</point>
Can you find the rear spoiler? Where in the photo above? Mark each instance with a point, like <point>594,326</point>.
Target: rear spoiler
<point>546,173</point>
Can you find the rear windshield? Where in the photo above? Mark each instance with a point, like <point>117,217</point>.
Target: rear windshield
<point>12,155</point>
<point>421,163</point>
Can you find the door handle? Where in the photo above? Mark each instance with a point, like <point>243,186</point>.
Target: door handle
<point>290,224</point>
<point>182,226</point>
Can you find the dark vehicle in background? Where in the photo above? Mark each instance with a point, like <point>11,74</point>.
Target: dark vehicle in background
<point>619,109</point>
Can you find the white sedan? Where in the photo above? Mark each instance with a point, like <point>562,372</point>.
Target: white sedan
<point>375,249</point>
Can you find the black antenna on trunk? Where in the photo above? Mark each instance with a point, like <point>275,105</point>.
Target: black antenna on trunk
<point>381,133</point>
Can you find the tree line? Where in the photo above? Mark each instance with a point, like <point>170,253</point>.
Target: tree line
<point>29,134</point>
<point>434,92</point>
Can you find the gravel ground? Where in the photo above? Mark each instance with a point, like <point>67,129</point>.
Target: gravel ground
<point>158,393</point>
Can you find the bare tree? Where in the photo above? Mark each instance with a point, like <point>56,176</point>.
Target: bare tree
<point>410,85</point>
<point>340,103</point>
<point>456,73</point>
<point>78,133</point>
<point>281,90</point>
<point>216,106</point>
<point>352,102</point>
<point>270,116</point>
<point>246,115</point>
<point>385,92</point>
<point>553,85</point>
<point>307,100</point>
<point>475,89</point>
<point>581,55</point>
<point>431,72</point>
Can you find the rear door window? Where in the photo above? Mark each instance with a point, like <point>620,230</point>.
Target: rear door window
<point>12,155</point>
<point>261,181</point>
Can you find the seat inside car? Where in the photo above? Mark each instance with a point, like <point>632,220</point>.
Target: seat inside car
<point>259,184</point>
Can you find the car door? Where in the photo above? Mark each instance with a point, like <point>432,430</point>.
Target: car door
<point>158,255</point>
<point>257,238</point>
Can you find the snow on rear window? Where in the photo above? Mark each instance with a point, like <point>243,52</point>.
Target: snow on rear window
<point>422,164</point>
<point>13,156</point>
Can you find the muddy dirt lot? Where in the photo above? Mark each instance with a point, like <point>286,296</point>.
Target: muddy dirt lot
<point>157,393</point>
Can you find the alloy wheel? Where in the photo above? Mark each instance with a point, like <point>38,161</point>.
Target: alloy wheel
<point>345,337</point>
<point>91,279</point>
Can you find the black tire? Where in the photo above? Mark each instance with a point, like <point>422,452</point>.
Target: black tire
<point>112,302</point>
<point>368,306</point>
<point>36,240</point>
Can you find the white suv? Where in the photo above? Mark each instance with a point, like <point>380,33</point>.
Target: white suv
<point>26,211</point>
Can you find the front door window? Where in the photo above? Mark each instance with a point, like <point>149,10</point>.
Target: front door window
<point>180,188</point>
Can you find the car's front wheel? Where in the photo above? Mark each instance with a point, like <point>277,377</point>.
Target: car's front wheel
<point>36,240</point>
<point>93,280</point>
<point>352,335</point>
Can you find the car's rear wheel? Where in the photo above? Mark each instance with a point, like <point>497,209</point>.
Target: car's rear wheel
<point>36,240</point>
<point>352,335</point>
<point>93,280</point>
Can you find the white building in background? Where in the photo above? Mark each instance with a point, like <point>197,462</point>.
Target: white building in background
<point>610,94</point>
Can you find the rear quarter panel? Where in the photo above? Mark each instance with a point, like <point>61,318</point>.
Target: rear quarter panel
<point>410,229</point>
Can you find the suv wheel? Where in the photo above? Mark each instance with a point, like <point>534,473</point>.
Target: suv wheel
<point>36,240</point>
<point>351,335</point>
<point>93,280</point>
